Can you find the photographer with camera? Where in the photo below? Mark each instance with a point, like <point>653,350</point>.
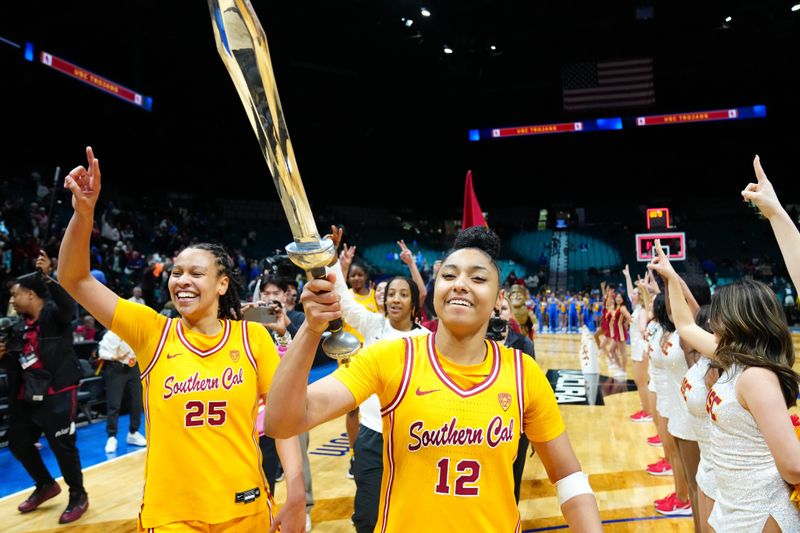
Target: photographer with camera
<point>501,331</point>
<point>43,377</point>
<point>271,311</point>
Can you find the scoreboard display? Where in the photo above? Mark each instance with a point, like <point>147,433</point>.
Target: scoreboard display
<point>674,245</point>
<point>658,218</point>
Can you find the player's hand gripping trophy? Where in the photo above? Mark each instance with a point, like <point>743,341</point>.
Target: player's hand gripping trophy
<point>242,44</point>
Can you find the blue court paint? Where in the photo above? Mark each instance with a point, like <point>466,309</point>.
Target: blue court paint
<point>91,443</point>
<point>614,521</point>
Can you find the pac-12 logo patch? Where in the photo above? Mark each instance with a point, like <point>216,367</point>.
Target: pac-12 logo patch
<point>505,400</point>
<point>235,355</point>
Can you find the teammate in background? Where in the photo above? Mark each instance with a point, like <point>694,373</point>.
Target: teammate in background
<point>401,309</point>
<point>488,394</point>
<point>203,374</point>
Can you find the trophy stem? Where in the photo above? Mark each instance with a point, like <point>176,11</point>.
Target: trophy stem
<point>312,257</point>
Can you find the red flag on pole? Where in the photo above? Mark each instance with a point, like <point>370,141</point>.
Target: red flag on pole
<point>473,216</point>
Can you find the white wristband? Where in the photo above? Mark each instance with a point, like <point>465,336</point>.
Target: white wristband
<point>573,485</point>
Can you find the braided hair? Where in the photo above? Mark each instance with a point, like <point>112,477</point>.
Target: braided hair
<point>229,304</point>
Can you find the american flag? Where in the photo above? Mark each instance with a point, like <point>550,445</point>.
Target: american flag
<point>608,84</point>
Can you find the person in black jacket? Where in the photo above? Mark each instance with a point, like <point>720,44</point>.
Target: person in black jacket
<point>43,377</point>
<point>520,342</point>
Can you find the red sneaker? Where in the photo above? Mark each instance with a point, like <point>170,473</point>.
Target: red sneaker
<point>39,496</point>
<point>641,417</point>
<point>663,469</point>
<point>659,462</point>
<point>668,498</point>
<point>655,440</point>
<point>674,507</point>
<point>78,504</point>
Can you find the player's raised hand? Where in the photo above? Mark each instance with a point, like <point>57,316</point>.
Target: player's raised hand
<point>626,272</point>
<point>660,263</point>
<point>761,193</point>
<point>405,254</point>
<point>335,235</point>
<point>84,184</point>
<point>320,303</point>
<point>346,257</point>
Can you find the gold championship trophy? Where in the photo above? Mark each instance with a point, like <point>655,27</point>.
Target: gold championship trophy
<point>242,44</point>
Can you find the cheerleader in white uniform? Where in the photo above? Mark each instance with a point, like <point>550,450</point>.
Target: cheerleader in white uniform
<point>754,450</point>
<point>665,356</point>
<point>638,324</point>
<point>694,390</point>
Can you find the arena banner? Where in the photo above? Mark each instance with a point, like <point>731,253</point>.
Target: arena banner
<point>736,113</point>
<point>98,82</point>
<point>598,124</point>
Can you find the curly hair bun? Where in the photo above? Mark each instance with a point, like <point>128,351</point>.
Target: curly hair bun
<point>479,237</point>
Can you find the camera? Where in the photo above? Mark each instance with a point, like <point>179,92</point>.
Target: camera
<point>11,335</point>
<point>263,313</point>
<point>280,265</point>
<point>497,327</point>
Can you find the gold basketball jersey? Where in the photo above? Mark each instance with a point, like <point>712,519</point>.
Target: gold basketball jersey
<point>369,303</point>
<point>451,432</point>
<point>201,401</point>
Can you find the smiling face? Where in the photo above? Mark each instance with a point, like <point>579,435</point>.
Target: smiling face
<point>380,292</point>
<point>195,284</point>
<point>398,301</point>
<point>466,291</point>
<point>357,278</point>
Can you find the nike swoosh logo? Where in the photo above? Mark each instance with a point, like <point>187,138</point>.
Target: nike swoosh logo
<point>424,392</point>
<point>171,355</point>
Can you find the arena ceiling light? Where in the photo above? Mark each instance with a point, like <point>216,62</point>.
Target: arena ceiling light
<point>448,50</point>
<point>407,22</point>
<point>492,48</point>
<point>424,12</point>
<point>796,7</point>
<point>728,19</point>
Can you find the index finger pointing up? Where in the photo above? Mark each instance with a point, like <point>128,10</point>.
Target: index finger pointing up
<point>760,175</point>
<point>659,250</point>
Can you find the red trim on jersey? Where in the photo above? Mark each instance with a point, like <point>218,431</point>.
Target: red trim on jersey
<point>210,351</point>
<point>147,403</point>
<point>390,454</point>
<point>254,436</point>
<point>480,387</point>
<point>403,388</point>
<point>162,340</point>
<point>519,368</point>
<point>146,394</point>
<point>247,349</point>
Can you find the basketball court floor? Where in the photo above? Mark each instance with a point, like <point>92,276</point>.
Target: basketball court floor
<point>612,450</point>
